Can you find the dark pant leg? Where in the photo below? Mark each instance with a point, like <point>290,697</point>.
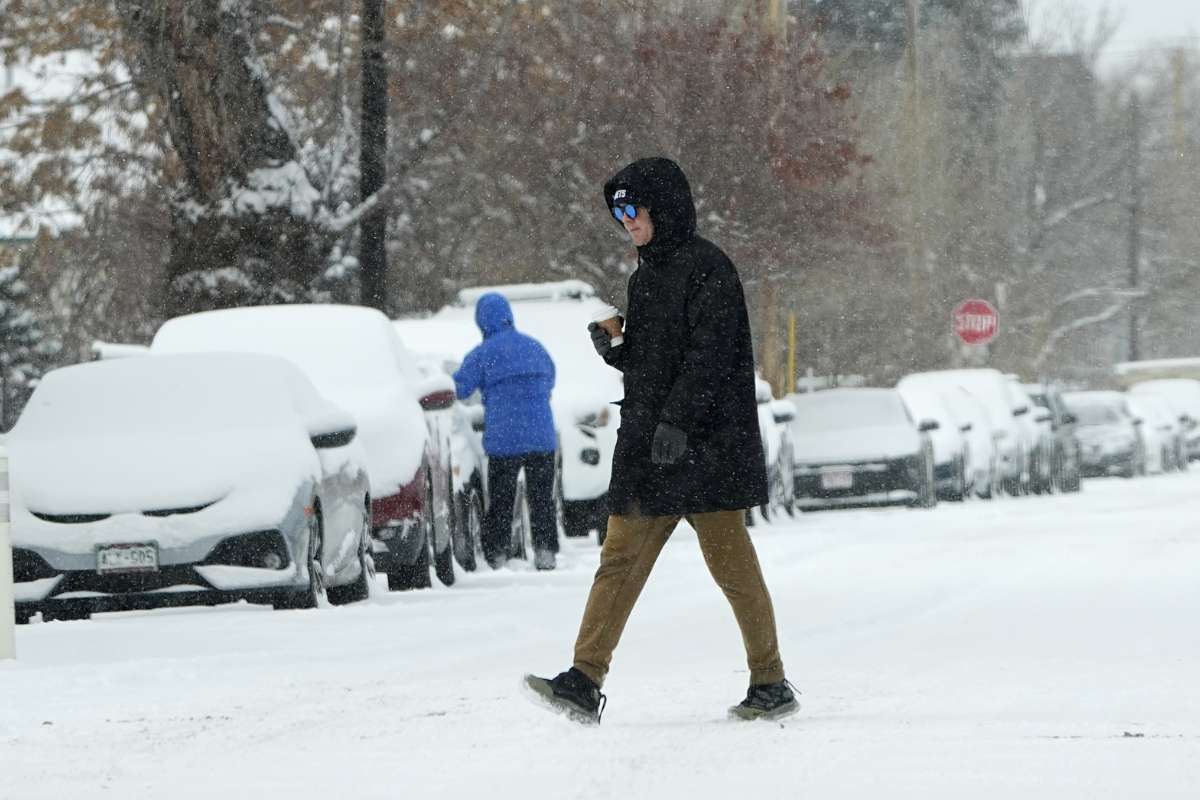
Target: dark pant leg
<point>630,549</point>
<point>502,492</point>
<point>539,487</point>
<point>733,562</point>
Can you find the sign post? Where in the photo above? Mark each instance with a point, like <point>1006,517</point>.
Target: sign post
<point>976,321</point>
<point>8,619</point>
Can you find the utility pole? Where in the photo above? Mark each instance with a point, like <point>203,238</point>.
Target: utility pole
<point>1135,219</point>
<point>372,232</point>
<point>912,122</point>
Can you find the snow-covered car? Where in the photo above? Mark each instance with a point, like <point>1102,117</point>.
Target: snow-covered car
<point>438,348</point>
<point>1183,395</point>
<point>1162,433</point>
<point>1108,434</point>
<point>861,447</point>
<point>1065,455</point>
<point>990,388</point>
<point>585,392</point>
<point>183,480</point>
<point>354,357</point>
<point>1035,423</point>
<point>774,425</point>
<point>951,446</point>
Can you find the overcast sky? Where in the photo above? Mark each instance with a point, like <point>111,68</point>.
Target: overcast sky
<point>1147,23</point>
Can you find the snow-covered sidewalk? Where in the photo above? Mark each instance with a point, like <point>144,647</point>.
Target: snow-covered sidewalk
<point>1041,647</point>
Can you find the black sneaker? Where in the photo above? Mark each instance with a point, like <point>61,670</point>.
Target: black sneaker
<point>571,693</point>
<point>767,701</point>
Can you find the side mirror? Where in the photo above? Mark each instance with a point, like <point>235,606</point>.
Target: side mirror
<point>326,441</point>
<point>438,401</point>
<point>1069,419</point>
<point>928,425</point>
<point>1020,411</point>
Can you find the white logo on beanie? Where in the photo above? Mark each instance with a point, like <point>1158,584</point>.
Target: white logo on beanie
<point>620,195</point>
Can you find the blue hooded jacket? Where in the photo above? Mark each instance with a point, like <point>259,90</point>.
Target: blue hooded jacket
<point>515,374</point>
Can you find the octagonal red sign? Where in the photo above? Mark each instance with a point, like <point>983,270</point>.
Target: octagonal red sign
<point>976,321</point>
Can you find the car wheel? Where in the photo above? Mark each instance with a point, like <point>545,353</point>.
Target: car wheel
<point>468,528</point>
<point>959,491</point>
<point>520,543</point>
<point>309,596</point>
<point>405,577</point>
<point>360,588</point>
<point>23,616</point>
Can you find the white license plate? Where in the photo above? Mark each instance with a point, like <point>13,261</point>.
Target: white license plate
<point>837,478</point>
<point>114,558</point>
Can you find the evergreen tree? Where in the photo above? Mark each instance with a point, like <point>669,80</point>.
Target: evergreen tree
<point>25,349</point>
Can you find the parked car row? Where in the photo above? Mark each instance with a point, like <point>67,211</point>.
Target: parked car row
<point>942,435</point>
<point>951,434</point>
<point>166,475</point>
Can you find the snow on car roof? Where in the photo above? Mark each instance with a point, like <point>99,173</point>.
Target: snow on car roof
<point>351,353</point>
<point>552,291</point>
<point>318,338</point>
<point>584,384</point>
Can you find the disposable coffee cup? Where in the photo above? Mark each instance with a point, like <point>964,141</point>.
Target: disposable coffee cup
<point>609,318</point>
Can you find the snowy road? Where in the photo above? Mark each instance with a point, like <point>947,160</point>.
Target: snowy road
<point>1042,647</point>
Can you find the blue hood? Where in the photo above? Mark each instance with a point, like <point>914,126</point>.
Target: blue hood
<point>493,314</point>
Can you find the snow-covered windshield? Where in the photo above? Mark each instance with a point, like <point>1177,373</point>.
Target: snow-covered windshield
<point>848,409</point>
<point>184,394</point>
<point>1095,414</point>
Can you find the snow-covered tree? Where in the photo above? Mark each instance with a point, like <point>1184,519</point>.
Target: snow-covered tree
<point>26,351</point>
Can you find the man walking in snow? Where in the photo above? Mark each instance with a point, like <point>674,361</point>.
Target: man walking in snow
<point>688,445</point>
<point>515,375</point>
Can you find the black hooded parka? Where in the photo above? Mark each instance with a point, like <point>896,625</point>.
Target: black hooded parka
<point>687,360</point>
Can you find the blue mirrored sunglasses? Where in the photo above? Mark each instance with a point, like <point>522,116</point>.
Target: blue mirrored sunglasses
<point>625,210</point>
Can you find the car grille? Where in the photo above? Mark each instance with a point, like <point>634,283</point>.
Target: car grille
<point>80,519</point>
<point>874,478</point>
<point>70,519</point>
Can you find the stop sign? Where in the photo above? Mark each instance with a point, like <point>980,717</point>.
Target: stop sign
<point>975,321</point>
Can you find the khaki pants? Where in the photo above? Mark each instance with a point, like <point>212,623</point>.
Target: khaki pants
<point>632,546</point>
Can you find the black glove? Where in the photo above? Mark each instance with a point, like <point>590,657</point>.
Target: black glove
<point>669,444</point>
<point>601,339</point>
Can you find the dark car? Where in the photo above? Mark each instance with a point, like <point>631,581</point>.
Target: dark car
<point>861,447</point>
<point>1108,434</point>
<point>1066,458</point>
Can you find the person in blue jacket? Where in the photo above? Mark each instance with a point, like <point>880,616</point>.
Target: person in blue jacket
<point>515,375</point>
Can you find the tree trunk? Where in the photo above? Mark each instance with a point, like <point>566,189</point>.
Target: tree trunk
<point>246,221</point>
<point>373,231</point>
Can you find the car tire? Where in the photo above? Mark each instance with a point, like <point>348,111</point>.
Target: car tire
<point>406,577</point>
<point>468,528</point>
<point>22,616</point>
<point>959,492</point>
<point>360,588</point>
<point>309,596</point>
